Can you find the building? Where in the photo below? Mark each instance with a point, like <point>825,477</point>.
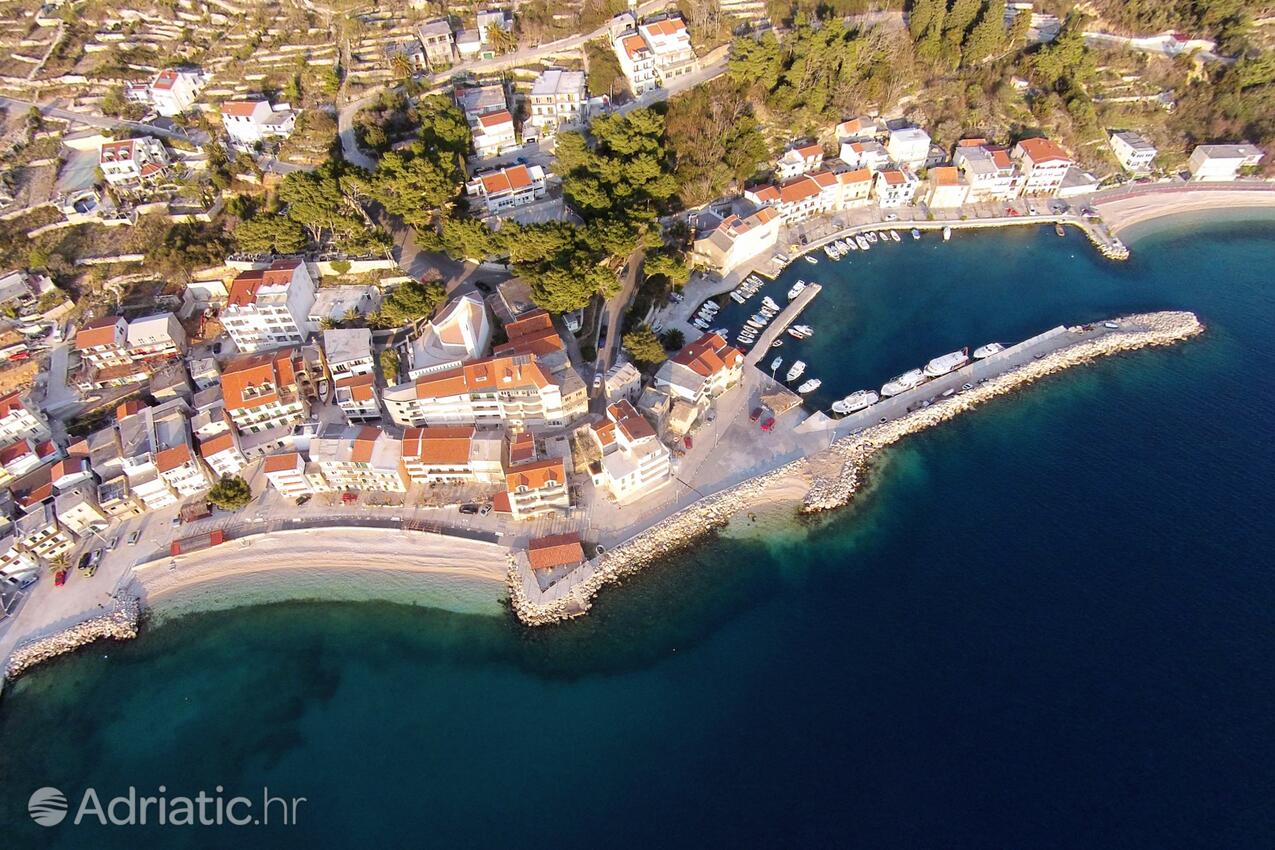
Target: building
<point>670,44</point>
<point>25,456</point>
<point>812,194</point>
<point>173,91</point>
<point>348,352</point>
<point>460,332</point>
<point>508,188</point>
<point>356,396</point>
<point>861,129</point>
<point>223,454</point>
<point>947,188</point>
<point>250,122</point>
<point>561,552</point>
<point>20,288</point>
<point>513,391</point>
<point>78,511</point>
<point>453,453</point>
<point>103,343</point>
<point>1222,162</point>
<point>15,562</point>
<point>440,46</point>
<point>798,160</point>
<point>622,381</point>
<point>116,499</point>
<point>20,420</point>
<point>493,133</point>
<point>535,488</point>
<point>637,60</point>
<point>895,187</point>
<point>156,336</point>
<point>634,462</point>
<point>358,457</point>
<point>133,163</point>
<point>343,303</point>
<point>41,535</point>
<point>726,243</point>
<point>481,99</point>
<point>268,308</point>
<point>1133,151</point>
<point>557,98</point>
<point>1043,164</point>
<point>988,171</point>
<point>701,371</point>
<point>869,154</point>
<point>909,146</point>
<point>287,474</point>
<point>261,391</point>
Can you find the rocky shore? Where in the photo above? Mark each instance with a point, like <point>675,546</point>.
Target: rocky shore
<point>835,474</point>
<point>118,624</point>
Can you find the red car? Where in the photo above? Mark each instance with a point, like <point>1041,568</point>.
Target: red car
<point>755,415</point>
<point>59,578</point>
<point>686,441</point>
<point>768,423</point>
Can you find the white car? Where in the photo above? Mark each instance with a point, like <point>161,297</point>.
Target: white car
<point>597,382</point>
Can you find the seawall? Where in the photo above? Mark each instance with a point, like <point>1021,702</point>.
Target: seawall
<point>836,471</point>
<point>118,624</point>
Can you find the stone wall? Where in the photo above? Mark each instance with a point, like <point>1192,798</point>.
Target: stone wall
<point>119,624</point>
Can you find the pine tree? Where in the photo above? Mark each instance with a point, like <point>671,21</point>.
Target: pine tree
<point>988,36</point>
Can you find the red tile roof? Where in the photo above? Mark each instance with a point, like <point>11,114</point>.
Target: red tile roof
<point>631,423</point>
<point>240,108</point>
<point>506,180</point>
<point>536,474</point>
<point>172,458</point>
<point>98,332</point>
<point>709,355</point>
<point>445,445</point>
<point>243,290</point>
<point>12,403</point>
<point>217,444</point>
<point>272,368</point>
<point>287,462</point>
<point>491,119</point>
<point>506,372</point>
<point>556,550</point>
<point>1043,150</point>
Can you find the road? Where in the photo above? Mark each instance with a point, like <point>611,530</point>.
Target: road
<point>613,312</point>
<point>103,121</point>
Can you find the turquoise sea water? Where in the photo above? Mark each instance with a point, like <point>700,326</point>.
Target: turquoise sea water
<point>1046,624</point>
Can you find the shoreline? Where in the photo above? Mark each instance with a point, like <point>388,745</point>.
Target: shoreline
<point>835,474</point>
<point>1130,211</point>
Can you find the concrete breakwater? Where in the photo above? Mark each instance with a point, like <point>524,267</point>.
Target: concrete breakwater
<point>120,623</point>
<point>834,474</point>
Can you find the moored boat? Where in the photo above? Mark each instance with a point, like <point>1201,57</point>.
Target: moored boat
<point>871,236</point>
<point>861,242</point>
<point>1058,229</point>
<point>811,260</point>
<point>903,383</point>
<point>797,288</point>
<point>947,233</point>
<point>894,234</point>
<point>946,363</point>
<point>776,363</point>
<point>855,401</point>
<point>988,350</point>
<point>916,234</point>
<point>795,372</point>
<point>810,386</point>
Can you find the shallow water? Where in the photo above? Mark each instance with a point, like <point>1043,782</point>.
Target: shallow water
<point>1046,624</point>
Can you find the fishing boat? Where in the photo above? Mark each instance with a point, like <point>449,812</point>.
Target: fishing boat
<point>776,363</point>
<point>947,233</point>
<point>988,350</point>
<point>797,288</point>
<point>811,260</point>
<point>810,386</point>
<point>777,343</point>
<point>942,365</point>
<point>795,372</point>
<point>862,242</point>
<point>796,334</point>
<point>894,235</point>
<point>916,234</point>
<point>855,401</point>
<point>903,383</point>
<point>830,252</point>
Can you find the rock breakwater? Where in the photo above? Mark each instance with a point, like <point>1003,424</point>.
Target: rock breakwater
<point>847,457</point>
<point>118,624</point>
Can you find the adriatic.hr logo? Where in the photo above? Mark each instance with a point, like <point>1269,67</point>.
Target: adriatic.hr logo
<point>47,806</point>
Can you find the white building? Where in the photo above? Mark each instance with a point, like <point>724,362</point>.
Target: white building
<point>634,462</point>
<point>493,133</point>
<point>288,474</point>
<point>867,153</point>
<point>223,454</point>
<point>15,562</point>
<point>41,535</point>
<point>988,171</point>
<point>156,336</point>
<point>534,488</point>
<point>909,146</point>
<point>356,396</point>
<point>103,342</point>
<point>261,393</point>
<point>344,302</point>
<point>173,92</point>
<point>460,332</point>
<point>268,308</point>
<point>1222,162</point>
<point>896,187</point>
<point>726,243</point>
<point>1133,151</point>
<point>358,457</point>
<point>437,39</point>
<point>670,43</point>
<point>348,352</point>
<point>78,511</point>
<point>861,129</point>
<point>622,381</point>
<point>557,97</point>
<point>701,371</point>
<point>508,188</point>
<point>813,194</point>
<point>20,420</point>
<point>133,163</point>
<point>1043,163</point>
<point>947,188</point>
<point>798,160</point>
<point>248,122</point>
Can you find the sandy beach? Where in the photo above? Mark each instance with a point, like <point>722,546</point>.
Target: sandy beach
<point>1122,213</point>
<point>346,563</point>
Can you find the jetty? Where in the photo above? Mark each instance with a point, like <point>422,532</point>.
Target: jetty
<point>781,322</point>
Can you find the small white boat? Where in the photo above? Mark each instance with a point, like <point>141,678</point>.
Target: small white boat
<point>811,260</point>
<point>830,252</point>
<point>841,245</point>
<point>770,302</point>
<point>942,365</point>
<point>1111,326</point>
<point>863,243</point>
<point>855,402</point>
<point>947,233</point>
<point>796,334</point>
<point>797,288</point>
<point>804,330</point>
<point>894,234</point>
<point>851,245</point>
<point>988,350</point>
<point>871,236</point>
<point>722,332</point>
<point>777,343</point>
<point>739,296</point>
<point>916,234</point>
<point>810,386</point>
<point>795,372</point>
<point>776,363</point>
<point>903,383</point>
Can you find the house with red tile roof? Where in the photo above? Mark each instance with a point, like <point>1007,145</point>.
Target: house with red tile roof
<point>555,551</point>
<point>174,91</point>
<point>947,189</point>
<point>453,453</point>
<point>20,419</point>
<point>270,307</point>
<point>536,488</point>
<point>702,371</point>
<point>634,462</point>
<point>728,242</point>
<point>223,454</point>
<point>895,187</point>
<point>799,159</point>
<point>103,342</point>
<point>131,164</point>
<point>261,391</point>
<point>250,121</point>
<point>493,133</point>
<point>988,170</point>
<point>506,189</point>
<point>357,396</point>
<point>359,457</point>
<point>1043,163</point>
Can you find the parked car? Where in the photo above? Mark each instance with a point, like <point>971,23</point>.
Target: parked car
<point>688,442</point>
<point>134,537</point>
<point>768,423</point>
<point>755,415</point>
<point>468,508</point>
<point>59,578</point>
<point>597,382</point>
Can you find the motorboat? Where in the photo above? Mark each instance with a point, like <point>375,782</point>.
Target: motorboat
<point>776,363</point>
<point>894,235</point>
<point>902,383</point>
<point>841,245</point>
<point>946,363</point>
<point>796,334</point>
<point>850,244</point>
<point>855,401</point>
<point>947,233</point>
<point>830,252</point>
<point>804,330</point>
<point>767,301</point>
<point>811,260</point>
<point>862,242</point>
<point>797,369</point>
<point>810,386</point>
<point>988,350</point>
<point>871,236</point>
<point>739,297</point>
<point>916,234</point>
<point>797,288</point>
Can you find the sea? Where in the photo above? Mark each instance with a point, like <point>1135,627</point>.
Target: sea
<point>1049,623</point>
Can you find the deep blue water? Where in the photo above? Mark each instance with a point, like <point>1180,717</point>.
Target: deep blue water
<point>1046,624</point>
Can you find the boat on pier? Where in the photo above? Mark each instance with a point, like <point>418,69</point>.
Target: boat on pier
<point>988,350</point>
<point>902,383</point>
<point>940,366</point>
<point>855,402</point>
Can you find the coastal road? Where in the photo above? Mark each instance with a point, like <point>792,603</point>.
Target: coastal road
<point>104,122</point>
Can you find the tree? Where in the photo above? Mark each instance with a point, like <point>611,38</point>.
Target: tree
<point>644,346</point>
<point>413,184</point>
<point>673,339</point>
<point>410,302</point>
<point>443,126</point>
<point>270,234</point>
<point>389,366</point>
<point>230,493</point>
<point>501,40</point>
<point>714,141</point>
<point>987,38</point>
<point>669,264</point>
<point>468,239</point>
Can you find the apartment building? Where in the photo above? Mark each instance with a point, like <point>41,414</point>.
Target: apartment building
<point>116,500</point>
<point>41,535</point>
<point>156,336</point>
<point>812,194</point>
<point>269,308</point>
<point>634,462</point>
<point>724,243</point>
<point>867,153</point>
<point>174,91</point>
<point>799,160</point>
<point>947,188</point>
<point>358,457</point>
<point>988,171</point>
<point>557,97</point>
<point>909,146</point>
<point>223,454</point>
<point>508,188</point>
<point>15,562</point>
<point>78,511</point>
<point>861,129</point>
<point>133,163</point>
<point>24,456</point>
<point>1133,151</point>
<point>20,420</point>
<point>895,187</point>
<point>288,474</point>
<point>1043,163</point>
<point>670,42</point>
<point>261,392</point>
<point>1222,162</point>
<point>454,453</point>
<point>137,447</point>
<point>249,122</point>
<point>535,488</point>
<point>637,60</point>
<point>493,133</point>
<point>513,391</point>
<point>701,371</point>
<point>439,43</point>
<point>357,397</point>
<point>103,343</point>
<point>348,352</point>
